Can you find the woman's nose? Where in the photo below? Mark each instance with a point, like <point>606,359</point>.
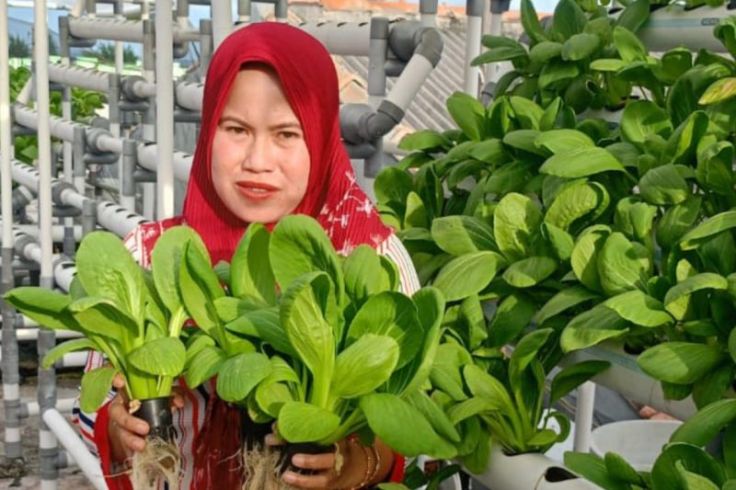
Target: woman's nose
<point>257,157</point>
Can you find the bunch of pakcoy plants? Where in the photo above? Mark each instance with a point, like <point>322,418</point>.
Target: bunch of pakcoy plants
<point>684,464</point>
<point>326,346</point>
<point>536,214</point>
<point>134,317</point>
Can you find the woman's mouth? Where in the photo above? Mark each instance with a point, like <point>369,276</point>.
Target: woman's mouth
<point>256,191</point>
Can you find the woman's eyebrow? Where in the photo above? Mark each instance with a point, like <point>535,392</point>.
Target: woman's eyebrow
<point>234,119</point>
<point>287,125</point>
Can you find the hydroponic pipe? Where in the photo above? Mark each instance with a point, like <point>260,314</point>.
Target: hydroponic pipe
<point>474,11</point>
<point>377,86</point>
<point>164,110</point>
<point>113,29</point>
<point>30,408</point>
<point>11,377</point>
<point>89,465</point>
<point>341,38</point>
<point>76,76</point>
<point>66,112</point>
<point>585,407</point>
<point>243,11</point>
<point>222,21</point>
<point>48,449</point>
<point>31,334</point>
<point>428,12</point>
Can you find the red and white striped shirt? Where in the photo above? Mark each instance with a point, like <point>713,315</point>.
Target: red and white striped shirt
<point>188,420</point>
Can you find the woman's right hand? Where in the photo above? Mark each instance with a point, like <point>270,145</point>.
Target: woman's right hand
<point>127,433</point>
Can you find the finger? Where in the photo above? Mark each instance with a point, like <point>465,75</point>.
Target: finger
<point>321,480</point>
<point>177,399</point>
<point>120,416</point>
<point>274,440</point>
<point>324,461</point>
<point>132,441</point>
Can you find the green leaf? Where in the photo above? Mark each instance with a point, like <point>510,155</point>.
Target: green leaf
<point>458,235</point>
<point>516,221</point>
<point>545,51</point>
<point>365,365</point>
<point>712,226</point>
<point>364,274</point>
<point>680,362</point>
<point>621,470</point>
<point>529,272</point>
<point>560,140</point>
<point>580,46</point>
<point>304,422</point>
<point>468,113</point>
<point>199,287</point>
<point>568,19</point>
<point>163,357</point>
<point>530,21</point>
<point>506,50</point>
<point>64,348</point>
<point>512,316</point>
<point>203,365</point>
<point>106,269</point>
<point>623,265</point>
<point>392,185</point>
<point>434,415</point>
<point>634,15</point>
<point>642,119</point>
<point>629,47</point>
<point>96,385</point>
<point>416,212</point>
<point>393,315</point>
<point>584,258</point>
<point>300,245</point>
<point>527,112</point>
<point>166,259</point>
<point>402,427</point>
<point>263,324</point>
<point>702,428</point>
<point>677,220</point>
<point>607,64</point>
<point>639,309</point>
<point>718,91</point>
<point>250,269</point>
<point>303,308</point>
<point>562,301</point>
<point>571,204</point>
<point>675,301</point>
<point>581,162</point>
<point>44,306</point>
<point>557,73</point>
<point>664,185</point>
<point>101,316</point>
<point>665,474</point>
<point>591,328</point>
<point>593,468</point>
<point>483,385</point>
<point>425,140</point>
<point>573,376</point>
<point>239,376</point>
<point>560,240</point>
<point>468,274</point>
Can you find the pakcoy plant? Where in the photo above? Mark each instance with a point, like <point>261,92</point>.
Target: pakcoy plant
<point>335,349</point>
<point>685,462</point>
<point>507,404</point>
<point>132,316</point>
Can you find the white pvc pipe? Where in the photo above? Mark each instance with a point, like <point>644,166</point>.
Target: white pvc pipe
<point>222,21</point>
<point>89,465</point>
<point>6,140</point>
<point>164,110</point>
<point>65,405</point>
<point>472,50</point>
<point>71,360</point>
<point>584,416</point>
<point>27,334</point>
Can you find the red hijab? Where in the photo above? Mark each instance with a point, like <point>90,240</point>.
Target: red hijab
<point>309,81</point>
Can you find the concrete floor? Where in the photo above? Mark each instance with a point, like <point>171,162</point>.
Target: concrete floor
<point>10,478</point>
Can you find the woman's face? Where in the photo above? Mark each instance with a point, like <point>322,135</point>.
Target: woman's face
<point>260,161</point>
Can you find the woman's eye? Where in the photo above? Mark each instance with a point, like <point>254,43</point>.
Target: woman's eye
<point>235,130</point>
<point>287,135</point>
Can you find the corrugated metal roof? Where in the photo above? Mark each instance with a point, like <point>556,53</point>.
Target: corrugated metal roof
<point>428,109</point>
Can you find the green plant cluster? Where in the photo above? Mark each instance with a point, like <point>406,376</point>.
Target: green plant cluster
<point>536,215</point>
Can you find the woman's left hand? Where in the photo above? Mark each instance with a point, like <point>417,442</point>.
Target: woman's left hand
<point>350,466</point>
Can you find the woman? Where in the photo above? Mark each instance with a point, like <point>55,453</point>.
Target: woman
<point>269,146</point>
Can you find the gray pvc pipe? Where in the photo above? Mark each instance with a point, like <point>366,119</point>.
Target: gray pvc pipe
<point>79,77</point>
<point>472,45</point>
<point>113,29</point>
<point>377,86</point>
<point>341,38</point>
<point>244,7</point>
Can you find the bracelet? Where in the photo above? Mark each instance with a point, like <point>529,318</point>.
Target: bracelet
<point>373,464</point>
